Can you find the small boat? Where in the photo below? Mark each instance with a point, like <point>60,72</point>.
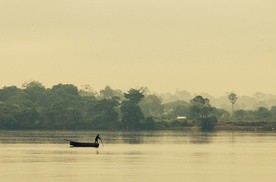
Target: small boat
<point>83,144</point>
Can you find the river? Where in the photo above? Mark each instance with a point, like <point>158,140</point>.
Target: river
<point>27,156</point>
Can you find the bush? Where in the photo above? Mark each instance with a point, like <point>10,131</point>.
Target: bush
<point>148,124</point>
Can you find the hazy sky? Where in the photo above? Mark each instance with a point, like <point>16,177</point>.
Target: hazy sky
<point>212,46</point>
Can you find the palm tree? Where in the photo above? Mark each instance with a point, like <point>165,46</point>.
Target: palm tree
<point>232,98</point>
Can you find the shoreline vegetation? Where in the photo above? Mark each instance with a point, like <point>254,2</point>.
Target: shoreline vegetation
<point>66,107</point>
<point>218,128</point>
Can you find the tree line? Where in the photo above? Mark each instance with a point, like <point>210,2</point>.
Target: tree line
<point>65,107</point>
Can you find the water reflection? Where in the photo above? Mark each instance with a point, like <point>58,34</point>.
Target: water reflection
<point>138,156</point>
<point>164,137</point>
<point>59,137</point>
<point>132,138</point>
<point>201,137</point>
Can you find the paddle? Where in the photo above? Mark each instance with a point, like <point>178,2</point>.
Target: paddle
<point>102,143</point>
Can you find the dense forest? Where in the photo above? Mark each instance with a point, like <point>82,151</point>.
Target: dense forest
<point>66,107</point>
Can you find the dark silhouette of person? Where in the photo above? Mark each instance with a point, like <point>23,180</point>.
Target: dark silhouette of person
<point>97,138</point>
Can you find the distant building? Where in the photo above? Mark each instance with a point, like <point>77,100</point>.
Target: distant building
<point>181,118</point>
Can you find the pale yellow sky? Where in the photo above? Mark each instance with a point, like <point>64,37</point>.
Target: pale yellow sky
<point>212,46</point>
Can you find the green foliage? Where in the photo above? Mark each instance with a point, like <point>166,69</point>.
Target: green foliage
<point>203,113</point>
<point>148,124</point>
<point>273,113</point>
<point>176,108</point>
<point>104,115</point>
<point>34,90</point>
<point>263,113</point>
<point>151,105</point>
<point>132,115</point>
<point>232,97</point>
<point>221,114</point>
<point>240,113</point>
<point>134,95</point>
<point>200,108</point>
<point>109,93</point>
<point>208,124</point>
<point>7,92</point>
<point>65,89</point>
<point>65,107</point>
<point>7,116</point>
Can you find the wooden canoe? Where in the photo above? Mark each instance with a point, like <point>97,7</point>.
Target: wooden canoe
<point>83,144</point>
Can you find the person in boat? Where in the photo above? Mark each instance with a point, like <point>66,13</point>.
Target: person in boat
<point>97,139</point>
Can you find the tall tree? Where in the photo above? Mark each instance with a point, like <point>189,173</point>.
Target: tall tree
<point>200,108</point>
<point>132,114</point>
<point>232,97</point>
<point>104,113</point>
<point>151,105</point>
<point>202,112</point>
<point>134,95</point>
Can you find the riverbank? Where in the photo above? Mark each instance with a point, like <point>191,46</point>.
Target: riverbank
<point>245,126</point>
<point>221,126</point>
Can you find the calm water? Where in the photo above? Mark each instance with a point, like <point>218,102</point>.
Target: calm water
<point>138,156</point>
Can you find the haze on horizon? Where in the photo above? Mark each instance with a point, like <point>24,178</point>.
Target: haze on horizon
<point>213,46</point>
